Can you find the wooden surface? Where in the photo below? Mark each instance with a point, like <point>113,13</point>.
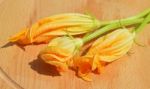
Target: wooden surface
<point>22,67</point>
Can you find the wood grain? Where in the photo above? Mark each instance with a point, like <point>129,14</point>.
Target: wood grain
<point>22,66</point>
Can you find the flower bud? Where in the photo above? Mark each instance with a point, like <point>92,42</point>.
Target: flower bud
<point>62,24</point>
<point>112,46</point>
<point>60,51</point>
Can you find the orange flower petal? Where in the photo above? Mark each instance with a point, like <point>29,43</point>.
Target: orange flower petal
<point>84,67</point>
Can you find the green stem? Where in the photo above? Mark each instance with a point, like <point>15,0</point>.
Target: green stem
<point>142,14</point>
<point>104,23</point>
<point>143,24</point>
<point>112,27</point>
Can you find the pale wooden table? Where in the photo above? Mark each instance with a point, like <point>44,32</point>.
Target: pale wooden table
<point>130,72</point>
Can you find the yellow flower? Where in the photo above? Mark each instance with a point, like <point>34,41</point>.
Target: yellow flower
<point>112,46</point>
<point>62,24</point>
<point>59,52</point>
<point>105,49</point>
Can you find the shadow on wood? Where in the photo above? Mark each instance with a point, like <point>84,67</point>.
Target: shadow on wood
<point>43,68</point>
<point>7,45</point>
<point>11,44</point>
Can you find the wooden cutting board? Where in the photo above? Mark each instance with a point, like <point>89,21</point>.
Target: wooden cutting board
<point>22,66</point>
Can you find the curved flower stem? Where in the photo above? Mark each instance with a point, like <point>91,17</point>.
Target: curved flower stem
<point>112,27</point>
<point>142,25</point>
<point>105,23</point>
<point>140,15</point>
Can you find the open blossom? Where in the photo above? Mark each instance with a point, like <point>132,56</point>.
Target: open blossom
<point>105,49</point>
<point>60,51</point>
<point>86,65</point>
<point>62,24</point>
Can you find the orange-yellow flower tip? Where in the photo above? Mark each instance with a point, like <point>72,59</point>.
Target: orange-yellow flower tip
<point>20,38</point>
<point>86,77</point>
